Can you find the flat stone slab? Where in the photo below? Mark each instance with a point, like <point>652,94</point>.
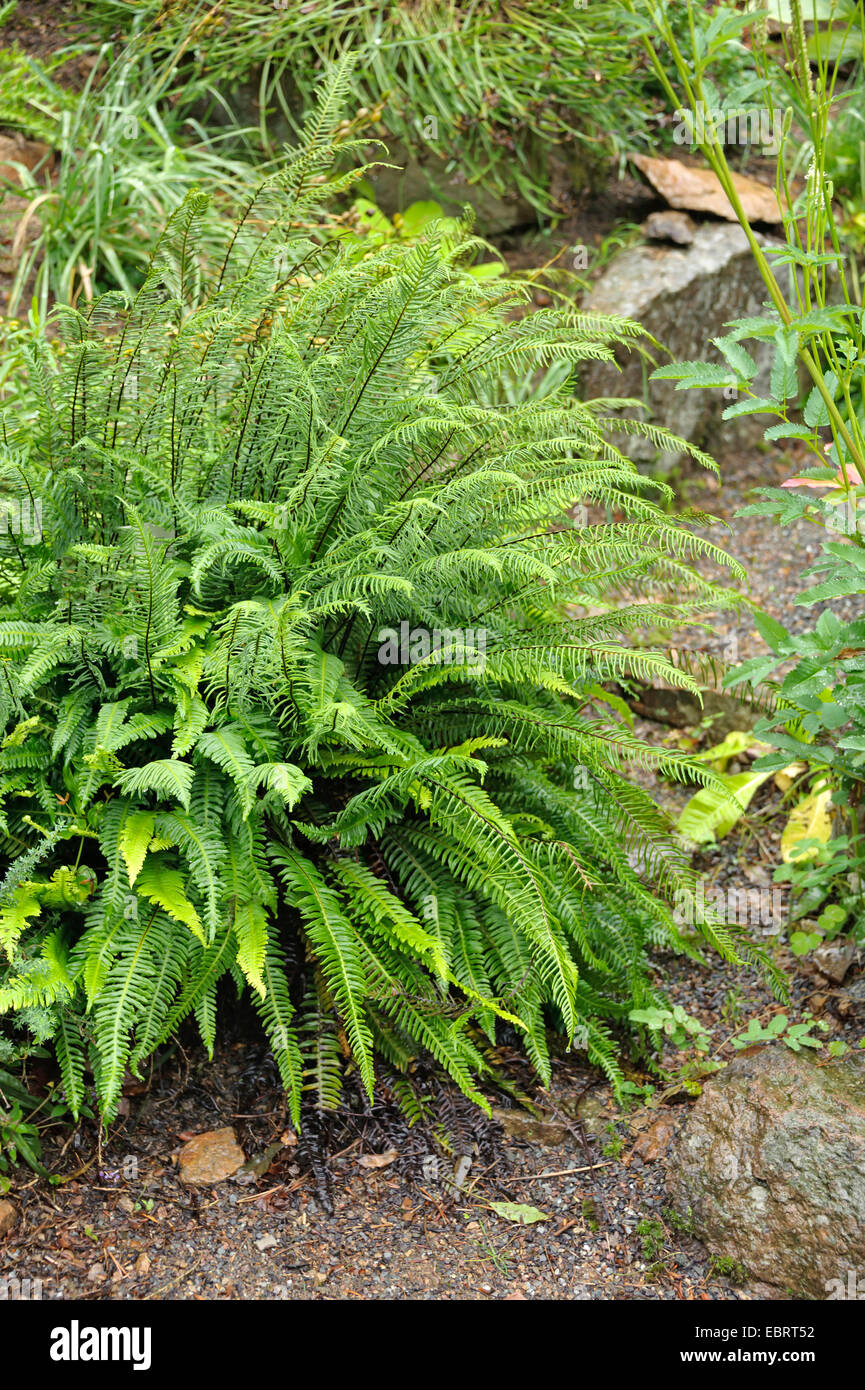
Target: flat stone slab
<point>700,190</point>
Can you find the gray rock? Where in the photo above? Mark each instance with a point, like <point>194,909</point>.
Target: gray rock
<point>770,1167</point>
<point>594,1115</point>
<point>853,995</point>
<point>668,225</point>
<point>682,710</point>
<point>684,298</point>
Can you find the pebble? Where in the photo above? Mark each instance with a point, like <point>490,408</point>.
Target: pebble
<point>8,1218</point>
<point>211,1157</point>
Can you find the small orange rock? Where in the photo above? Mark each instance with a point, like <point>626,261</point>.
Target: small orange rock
<point>378,1160</point>
<point>655,1138</point>
<point>8,1218</point>
<point>700,190</point>
<point>211,1157</point>
<point>15,150</point>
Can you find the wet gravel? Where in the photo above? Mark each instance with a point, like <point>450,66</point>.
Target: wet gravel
<point>315,1223</point>
<point>774,558</point>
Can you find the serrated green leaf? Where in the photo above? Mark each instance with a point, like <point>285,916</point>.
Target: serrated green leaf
<point>165,888</point>
<point>785,377</point>
<point>135,837</point>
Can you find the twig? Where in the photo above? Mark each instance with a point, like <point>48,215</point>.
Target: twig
<point>562,1172</point>
<point>184,1273</point>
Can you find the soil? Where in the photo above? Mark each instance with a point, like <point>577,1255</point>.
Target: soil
<point>774,561</point>
<point>43,29</point>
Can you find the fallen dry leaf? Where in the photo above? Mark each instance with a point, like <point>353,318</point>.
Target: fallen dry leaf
<point>654,1139</point>
<point>378,1160</point>
<point>786,777</point>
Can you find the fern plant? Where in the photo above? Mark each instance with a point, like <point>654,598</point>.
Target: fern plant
<point>299,659</point>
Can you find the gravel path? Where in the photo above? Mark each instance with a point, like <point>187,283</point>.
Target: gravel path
<point>317,1222</point>
<point>774,559</point>
<point>399,1231</point>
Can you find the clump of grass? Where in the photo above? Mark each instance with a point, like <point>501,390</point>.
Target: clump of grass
<point>497,91</point>
<point>126,160</point>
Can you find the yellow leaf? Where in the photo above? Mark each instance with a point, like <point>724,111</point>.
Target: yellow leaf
<point>518,1213</point>
<point>737,742</point>
<point>135,838</point>
<point>810,820</point>
<point>250,928</point>
<point>787,776</point>
<point>711,813</point>
<point>14,915</point>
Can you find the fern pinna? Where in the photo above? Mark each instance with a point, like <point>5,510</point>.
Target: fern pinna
<point>301,659</point>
